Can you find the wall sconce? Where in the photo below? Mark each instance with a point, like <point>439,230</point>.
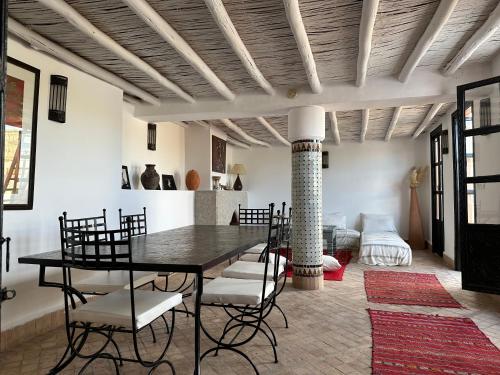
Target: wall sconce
<point>57,98</point>
<point>152,137</point>
<point>444,142</point>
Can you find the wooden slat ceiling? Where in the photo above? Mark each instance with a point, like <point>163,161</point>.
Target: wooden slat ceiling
<point>332,28</point>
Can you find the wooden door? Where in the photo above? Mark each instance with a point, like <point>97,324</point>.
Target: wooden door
<point>437,191</point>
<point>478,183</point>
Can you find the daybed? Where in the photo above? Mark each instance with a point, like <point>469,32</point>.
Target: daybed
<point>381,244</point>
<point>346,238</point>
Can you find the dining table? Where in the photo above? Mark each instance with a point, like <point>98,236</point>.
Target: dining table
<point>191,249</point>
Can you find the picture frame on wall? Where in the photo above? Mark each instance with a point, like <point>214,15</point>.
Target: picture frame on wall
<point>125,178</point>
<point>168,182</point>
<point>21,117</point>
<point>218,155</point>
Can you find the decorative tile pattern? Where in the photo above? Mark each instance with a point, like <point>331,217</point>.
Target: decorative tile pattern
<point>307,241</point>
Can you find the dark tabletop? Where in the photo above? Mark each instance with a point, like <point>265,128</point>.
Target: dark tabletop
<point>194,248</point>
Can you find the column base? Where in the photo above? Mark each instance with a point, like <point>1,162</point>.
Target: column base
<point>307,283</point>
<point>308,278</point>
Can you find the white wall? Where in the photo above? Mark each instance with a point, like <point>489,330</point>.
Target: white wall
<point>371,177</point>
<point>78,169</point>
<point>78,166</point>
<point>169,156</point>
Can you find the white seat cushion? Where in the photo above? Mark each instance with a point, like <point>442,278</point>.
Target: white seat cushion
<point>114,308</point>
<point>235,291</point>
<point>250,270</point>
<point>257,249</point>
<point>255,258</point>
<point>330,263</point>
<point>107,282</point>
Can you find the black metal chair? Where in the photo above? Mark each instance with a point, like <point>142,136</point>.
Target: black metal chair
<point>247,302</point>
<point>123,311</point>
<point>98,282</point>
<point>139,228</point>
<point>138,222</point>
<point>250,266</point>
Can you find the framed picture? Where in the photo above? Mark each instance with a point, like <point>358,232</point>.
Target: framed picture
<point>21,109</point>
<point>168,182</point>
<point>125,178</point>
<point>324,159</point>
<point>218,155</point>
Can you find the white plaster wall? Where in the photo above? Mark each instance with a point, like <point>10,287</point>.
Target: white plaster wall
<point>371,177</point>
<point>197,154</point>
<point>169,156</point>
<point>78,166</point>
<point>78,169</point>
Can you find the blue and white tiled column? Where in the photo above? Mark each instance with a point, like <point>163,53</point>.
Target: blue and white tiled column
<point>306,130</point>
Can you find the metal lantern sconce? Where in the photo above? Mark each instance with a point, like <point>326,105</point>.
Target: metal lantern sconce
<point>444,142</point>
<point>152,137</point>
<point>57,99</point>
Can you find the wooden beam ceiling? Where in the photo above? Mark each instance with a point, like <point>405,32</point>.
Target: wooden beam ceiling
<point>368,16</point>
<point>481,35</point>
<point>82,24</point>
<point>441,16</point>
<point>43,44</point>
<point>221,17</point>
<point>167,32</point>
<point>294,17</point>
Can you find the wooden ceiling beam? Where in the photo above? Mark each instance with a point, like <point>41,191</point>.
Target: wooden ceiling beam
<point>237,143</point>
<point>487,29</point>
<point>368,15</point>
<point>82,24</point>
<point>43,44</point>
<point>394,122</point>
<point>427,120</point>
<point>273,131</point>
<point>167,32</point>
<point>226,26</point>
<point>334,127</point>
<point>441,16</point>
<point>299,32</point>
<point>247,137</point>
<point>365,118</point>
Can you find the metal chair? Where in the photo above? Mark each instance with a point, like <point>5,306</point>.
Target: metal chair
<point>123,311</point>
<point>99,282</point>
<point>250,268</point>
<point>247,302</point>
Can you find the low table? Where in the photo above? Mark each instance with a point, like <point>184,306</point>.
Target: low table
<point>330,235</point>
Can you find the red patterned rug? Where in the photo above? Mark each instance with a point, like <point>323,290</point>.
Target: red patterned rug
<point>343,256</point>
<point>405,343</point>
<point>406,288</point>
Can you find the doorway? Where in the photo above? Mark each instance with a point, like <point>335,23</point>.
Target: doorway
<point>437,191</point>
<point>478,183</point>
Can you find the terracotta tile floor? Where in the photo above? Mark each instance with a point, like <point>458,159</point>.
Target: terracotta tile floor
<point>329,332</point>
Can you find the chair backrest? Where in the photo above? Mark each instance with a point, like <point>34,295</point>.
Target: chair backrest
<point>253,216</point>
<point>95,249</point>
<point>94,223</point>
<point>139,225</point>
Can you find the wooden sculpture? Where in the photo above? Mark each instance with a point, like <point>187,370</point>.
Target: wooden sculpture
<point>416,233</point>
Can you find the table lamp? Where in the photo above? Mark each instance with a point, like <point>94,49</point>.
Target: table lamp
<point>237,170</point>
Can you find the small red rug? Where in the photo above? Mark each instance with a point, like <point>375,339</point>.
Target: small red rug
<point>406,288</point>
<point>405,343</point>
<point>343,256</point>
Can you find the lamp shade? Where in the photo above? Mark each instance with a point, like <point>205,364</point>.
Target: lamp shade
<point>238,169</point>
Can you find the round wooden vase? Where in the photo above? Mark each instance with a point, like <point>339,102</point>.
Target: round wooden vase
<point>150,179</point>
<point>192,180</point>
<point>416,236</point>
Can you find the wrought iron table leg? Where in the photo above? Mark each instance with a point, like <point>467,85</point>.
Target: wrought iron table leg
<point>197,321</point>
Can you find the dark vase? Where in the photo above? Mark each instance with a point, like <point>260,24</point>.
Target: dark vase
<point>237,184</point>
<point>150,179</point>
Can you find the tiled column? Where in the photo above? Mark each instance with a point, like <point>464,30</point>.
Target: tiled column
<point>306,130</point>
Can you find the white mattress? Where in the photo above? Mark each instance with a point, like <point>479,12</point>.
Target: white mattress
<point>384,249</point>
